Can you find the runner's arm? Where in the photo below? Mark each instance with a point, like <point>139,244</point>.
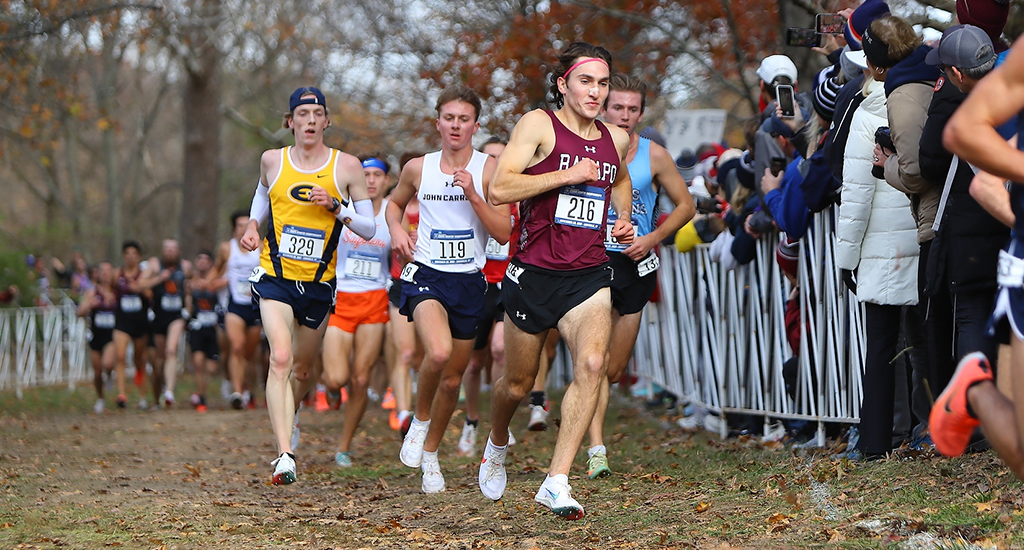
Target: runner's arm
<point>622,190</point>
<point>971,132</point>
<point>408,183</point>
<point>511,185</point>
<point>668,177</point>
<point>86,305</point>
<point>216,280</point>
<point>497,220</point>
<point>990,192</point>
<point>357,211</point>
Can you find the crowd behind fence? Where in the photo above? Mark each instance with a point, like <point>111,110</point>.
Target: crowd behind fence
<point>715,338</point>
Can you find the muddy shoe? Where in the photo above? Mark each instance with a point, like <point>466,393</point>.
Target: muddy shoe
<point>284,473</point>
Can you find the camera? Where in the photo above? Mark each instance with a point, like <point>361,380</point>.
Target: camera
<point>883,137</point>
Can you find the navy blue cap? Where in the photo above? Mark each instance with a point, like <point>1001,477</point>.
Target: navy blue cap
<point>296,99</point>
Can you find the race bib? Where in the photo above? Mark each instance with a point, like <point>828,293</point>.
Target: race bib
<point>580,206</point>
<point>257,274</point>
<point>207,318</point>
<point>495,251</point>
<point>131,304</point>
<point>452,246</point>
<point>360,265</point>
<point>609,242</point>
<point>170,302</point>
<point>513,272</point>
<point>1010,273</point>
<point>103,320</point>
<point>409,272</point>
<point>302,244</point>
<point>649,265</point>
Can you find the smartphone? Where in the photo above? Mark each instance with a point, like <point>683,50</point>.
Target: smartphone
<point>829,23</point>
<point>803,38</point>
<point>778,165</point>
<point>784,94</point>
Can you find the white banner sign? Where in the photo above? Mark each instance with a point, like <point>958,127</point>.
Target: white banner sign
<point>688,129</point>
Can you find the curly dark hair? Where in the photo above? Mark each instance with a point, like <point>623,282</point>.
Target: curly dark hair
<point>569,55</point>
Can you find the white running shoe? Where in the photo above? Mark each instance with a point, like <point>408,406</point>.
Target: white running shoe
<point>554,494</point>
<point>99,406</point>
<point>284,473</point>
<point>492,476</point>
<point>433,481</point>
<point>168,399</point>
<point>295,432</point>
<point>143,405</point>
<point>412,445</point>
<point>226,389</point>
<point>538,418</point>
<point>467,443</point>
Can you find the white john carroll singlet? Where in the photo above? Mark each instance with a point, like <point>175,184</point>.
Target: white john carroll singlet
<point>450,236</point>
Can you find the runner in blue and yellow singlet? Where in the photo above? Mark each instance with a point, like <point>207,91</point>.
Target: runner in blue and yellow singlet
<point>308,192</point>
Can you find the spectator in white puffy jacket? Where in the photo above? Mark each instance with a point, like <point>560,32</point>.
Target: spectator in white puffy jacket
<point>876,236</point>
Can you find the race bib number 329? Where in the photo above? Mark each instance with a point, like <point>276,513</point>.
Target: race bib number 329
<point>302,244</point>
<point>581,206</point>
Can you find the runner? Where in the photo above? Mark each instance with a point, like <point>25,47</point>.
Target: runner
<point>489,347</point>
<point>308,191</point>
<point>356,326</point>
<point>166,277</point>
<point>99,304</point>
<point>634,280</point>
<point>241,322</point>
<point>971,397</point>
<point>443,289</point>
<point>131,322</point>
<point>564,168</point>
<point>403,349</point>
<point>202,334</point>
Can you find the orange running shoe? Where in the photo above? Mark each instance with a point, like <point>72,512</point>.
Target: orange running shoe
<point>200,408</point>
<point>393,421</point>
<point>321,401</point>
<point>950,423</point>
<point>140,377</point>
<point>344,395</point>
<point>388,403</point>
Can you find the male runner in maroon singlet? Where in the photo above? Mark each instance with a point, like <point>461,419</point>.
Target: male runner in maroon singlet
<point>564,166</point>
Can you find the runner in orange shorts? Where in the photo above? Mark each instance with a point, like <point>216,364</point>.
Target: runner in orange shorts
<point>356,326</point>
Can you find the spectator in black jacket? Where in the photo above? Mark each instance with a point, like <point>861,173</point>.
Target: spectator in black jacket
<point>968,239</point>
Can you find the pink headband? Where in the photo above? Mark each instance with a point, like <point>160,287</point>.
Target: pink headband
<point>582,61</point>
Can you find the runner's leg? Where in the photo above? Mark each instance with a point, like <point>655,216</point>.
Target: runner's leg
<point>624,331</point>
<point>587,330</point>
<point>522,360</point>
<point>369,338</point>
<point>1002,420</point>
<point>170,350</point>
<point>279,323</point>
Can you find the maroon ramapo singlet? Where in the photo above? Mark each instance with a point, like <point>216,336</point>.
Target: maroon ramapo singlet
<point>563,228</point>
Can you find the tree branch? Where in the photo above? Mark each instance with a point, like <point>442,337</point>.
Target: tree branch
<point>57,22</point>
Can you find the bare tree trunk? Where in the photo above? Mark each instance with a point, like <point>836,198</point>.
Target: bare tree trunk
<point>78,205</point>
<point>200,190</point>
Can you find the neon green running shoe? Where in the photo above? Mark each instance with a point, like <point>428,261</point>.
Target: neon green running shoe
<point>597,466</point>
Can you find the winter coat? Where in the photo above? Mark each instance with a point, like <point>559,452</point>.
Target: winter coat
<point>966,247</point>
<point>875,232</point>
<point>908,90</point>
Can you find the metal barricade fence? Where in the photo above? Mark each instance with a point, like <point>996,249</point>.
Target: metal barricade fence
<point>717,338</point>
<point>42,346</point>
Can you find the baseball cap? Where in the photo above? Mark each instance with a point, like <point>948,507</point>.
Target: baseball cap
<point>775,66</point>
<point>296,99</point>
<point>963,47</point>
<point>861,18</point>
<point>857,57</point>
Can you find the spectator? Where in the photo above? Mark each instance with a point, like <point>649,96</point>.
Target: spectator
<point>988,15</point>
<point>968,239</point>
<point>775,70</point>
<point>875,235</point>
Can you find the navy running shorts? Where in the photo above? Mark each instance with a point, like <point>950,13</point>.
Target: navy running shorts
<point>461,295</point>
<point>311,302</point>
